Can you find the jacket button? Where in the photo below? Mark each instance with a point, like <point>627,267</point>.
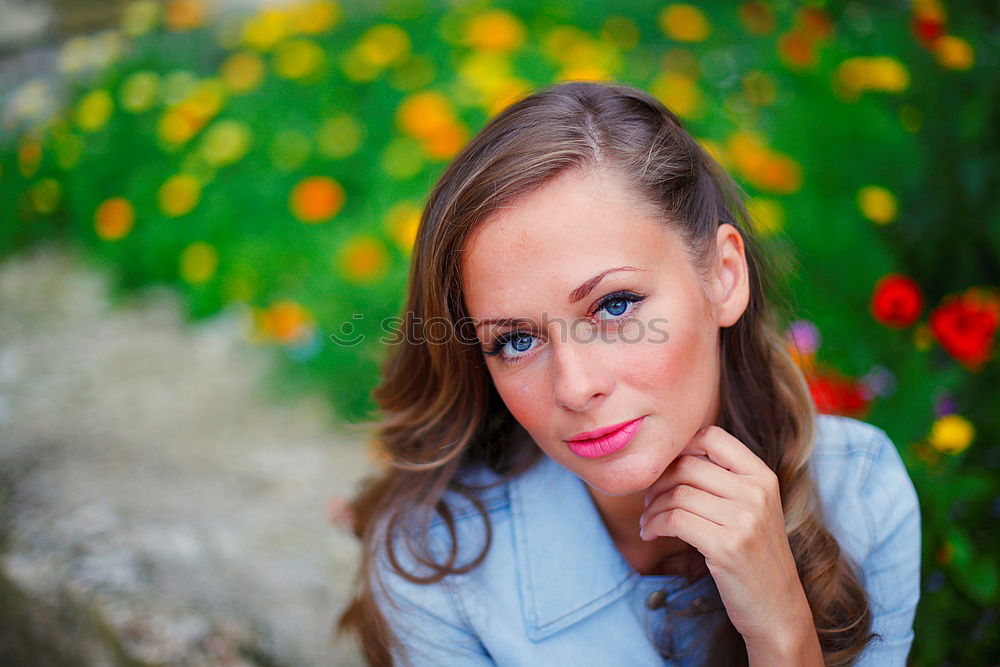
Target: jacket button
<point>656,599</point>
<point>700,604</point>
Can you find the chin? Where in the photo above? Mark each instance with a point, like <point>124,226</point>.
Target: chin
<point>626,476</point>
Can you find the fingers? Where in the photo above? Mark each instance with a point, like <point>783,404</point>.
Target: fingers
<point>695,471</point>
<point>697,501</point>
<point>677,522</point>
<point>726,450</point>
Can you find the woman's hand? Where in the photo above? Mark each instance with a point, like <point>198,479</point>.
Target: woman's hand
<point>722,499</point>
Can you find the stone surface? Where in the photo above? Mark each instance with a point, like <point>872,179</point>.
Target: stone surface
<point>155,507</point>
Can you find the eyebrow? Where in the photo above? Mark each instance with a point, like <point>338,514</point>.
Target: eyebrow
<point>579,293</point>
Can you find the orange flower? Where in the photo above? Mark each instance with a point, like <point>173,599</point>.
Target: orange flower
<point>286,321</point>
<point>797,49</point>
<point>113,218</point>
<point>184,14</point>
<point>316,199</point>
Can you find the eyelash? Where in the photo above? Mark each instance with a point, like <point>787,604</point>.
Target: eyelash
<point>501,341</point>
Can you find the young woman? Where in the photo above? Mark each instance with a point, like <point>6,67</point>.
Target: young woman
<point>598,451</point>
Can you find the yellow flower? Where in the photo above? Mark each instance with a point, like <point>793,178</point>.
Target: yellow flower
<point>140,17</point>
<point>113,218</point>
<point>207,97</point>
<point>877,204</point>
<point>242,72</point>
<point>178,124</point>
<point>620,31</point>
<point>179,194</point>
<point>298,58</point>
<point>384,44</point>
<point>767,215</point>
<point>511,91</point>
<point>339,136</point>
<point>683,23</point>
<point>198,262</point>
<point>225,142</point>
<point>560,43</point>
<point>679,93</point>
<point>140,91</point>
<point>94,110</point>
<point>363,259</point>
<point>316,199</point>
<point>44,195</point>
<point>314,17</point>
<point>583,71</point>
<point>266,28</point>
<point>494,30</point>
<point>888,74</point>
<point>29,157</point>
<point>402,222</point>
<point>954,52</point>
<point>357,68</point>
<point>860,73</point>
<point>951,434</point>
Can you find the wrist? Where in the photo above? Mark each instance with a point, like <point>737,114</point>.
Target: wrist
<point>799,646</point>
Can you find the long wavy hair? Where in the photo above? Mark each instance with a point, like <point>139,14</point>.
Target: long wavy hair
<point>440,412</point>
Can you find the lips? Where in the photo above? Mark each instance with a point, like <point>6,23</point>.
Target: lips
<point>596,433</point>
<point>608,443</point>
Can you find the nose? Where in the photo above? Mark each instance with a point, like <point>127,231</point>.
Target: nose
<point>580,379</point>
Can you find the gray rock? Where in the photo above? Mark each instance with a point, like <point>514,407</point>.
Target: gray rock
<point>155,507</point>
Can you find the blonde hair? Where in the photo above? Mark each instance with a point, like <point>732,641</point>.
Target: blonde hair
<point>441,412</point>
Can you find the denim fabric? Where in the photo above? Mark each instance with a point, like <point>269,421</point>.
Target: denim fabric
<point>554,590</point>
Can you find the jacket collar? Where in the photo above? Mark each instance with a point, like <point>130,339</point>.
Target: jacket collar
<point>559,536</point>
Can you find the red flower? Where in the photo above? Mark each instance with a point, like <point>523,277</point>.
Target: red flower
<point>927,30</point>
<point>837,395</point>
<point>896,301</point>
<point>966,324</point>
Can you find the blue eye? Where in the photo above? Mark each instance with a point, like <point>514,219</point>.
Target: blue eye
<point>616,304</point>
<point>518,340</point>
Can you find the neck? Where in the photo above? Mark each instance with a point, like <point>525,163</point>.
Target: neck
<point>621,518</point>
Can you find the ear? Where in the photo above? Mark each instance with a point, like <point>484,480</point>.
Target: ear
<point>731,276</point>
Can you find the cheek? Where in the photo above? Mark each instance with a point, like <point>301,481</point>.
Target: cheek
<point>523,398</point>
<point>673,368</point>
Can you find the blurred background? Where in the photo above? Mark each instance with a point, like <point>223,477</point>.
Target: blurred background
<point>197,195</point>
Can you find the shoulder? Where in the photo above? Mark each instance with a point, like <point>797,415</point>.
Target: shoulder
<point>447,603</point>
<point>863,484</point>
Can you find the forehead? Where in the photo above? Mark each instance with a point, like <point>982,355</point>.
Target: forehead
<point>544,245</point>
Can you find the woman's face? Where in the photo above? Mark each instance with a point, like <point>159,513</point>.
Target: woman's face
<point>601,345</point>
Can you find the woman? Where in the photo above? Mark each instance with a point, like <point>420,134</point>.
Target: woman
<point>598,451</point>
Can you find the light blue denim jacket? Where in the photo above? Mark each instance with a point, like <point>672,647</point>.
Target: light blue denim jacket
<point>554,590</point>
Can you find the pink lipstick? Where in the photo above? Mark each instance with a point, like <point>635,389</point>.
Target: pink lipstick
<point>603,441</point>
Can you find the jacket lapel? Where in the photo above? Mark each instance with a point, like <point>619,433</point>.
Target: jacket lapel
<point>568,566</point>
